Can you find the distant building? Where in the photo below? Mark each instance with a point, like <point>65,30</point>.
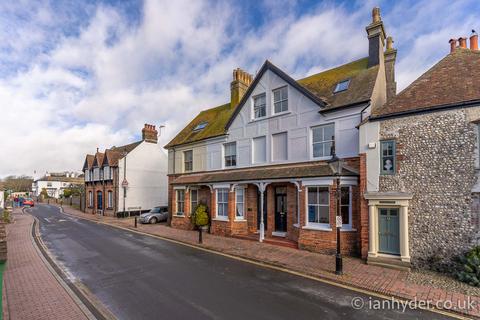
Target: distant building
<point>56,183</point>
<point>130,178</point>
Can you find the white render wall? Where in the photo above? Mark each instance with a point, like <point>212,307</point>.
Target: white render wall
<point>55,189</point>
<point>147,177</point>
<point>370,134</point>
<point>302,114</point>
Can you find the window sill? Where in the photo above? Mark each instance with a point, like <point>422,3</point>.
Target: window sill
<point>240,220</point>
<point>316,228</point>
<point>179,215</point>
<point>296,225</point>
<point>350,229</point>
<point>220,219</point>
<point>271,116</point>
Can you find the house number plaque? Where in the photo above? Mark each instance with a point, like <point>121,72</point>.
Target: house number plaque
<point>339,221</point>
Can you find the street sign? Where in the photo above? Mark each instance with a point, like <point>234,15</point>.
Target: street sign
<point>124,183</point>
<point>339,221</point>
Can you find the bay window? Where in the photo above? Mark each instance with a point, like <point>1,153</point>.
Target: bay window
<point>222,203</point>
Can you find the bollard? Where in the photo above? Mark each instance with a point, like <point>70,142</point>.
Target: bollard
<point>135,222</point>
<point>200,240</point>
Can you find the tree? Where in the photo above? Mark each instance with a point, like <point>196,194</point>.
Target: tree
<point>18,183</point>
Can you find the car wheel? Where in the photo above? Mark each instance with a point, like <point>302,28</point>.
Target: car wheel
<point>153,220</point>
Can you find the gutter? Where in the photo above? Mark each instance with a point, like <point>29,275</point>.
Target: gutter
<point>464,104</point>
<point>346,106</point>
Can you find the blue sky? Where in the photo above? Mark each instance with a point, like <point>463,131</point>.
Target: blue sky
<point>77,75</point>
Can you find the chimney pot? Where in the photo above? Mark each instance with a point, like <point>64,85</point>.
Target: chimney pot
<point>474,41</point>
<point>149,133</point>
<point>453,45</point>
<point>376,15</point>
<point>462,42</point>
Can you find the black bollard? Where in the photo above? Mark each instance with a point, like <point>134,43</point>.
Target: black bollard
<point>135,222</point>
<point>200,239</point>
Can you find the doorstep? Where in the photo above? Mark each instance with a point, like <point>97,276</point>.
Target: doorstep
<point>278,241</point>
<point>389,262</point>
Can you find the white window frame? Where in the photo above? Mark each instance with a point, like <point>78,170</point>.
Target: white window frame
<point>254,117</point>
<point>177,201</point>
<point>90,199</point>
<point>316,225</point>
<point>109,199</point>
<point>347,226</point>
<point>218,216</point>
<point>242,189</point>
<point>185,161</point>
<point>383,172</point>
<point>279,101</point>
<point>232,155</point>
<point>312,143</point>
<point>192,207</point>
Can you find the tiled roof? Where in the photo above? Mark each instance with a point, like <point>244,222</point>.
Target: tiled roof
<point>111,157</point>
<point>127,148</point>
<point>98,161</point>
<point>320,87</point>
<point>88,161</point>
<point>362,81</point>
<point>216,119</point>
<point>453,80</point>
<point>313,169</point>
<point>77,180</point>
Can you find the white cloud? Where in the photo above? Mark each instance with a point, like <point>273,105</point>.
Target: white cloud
<point>77,77</point>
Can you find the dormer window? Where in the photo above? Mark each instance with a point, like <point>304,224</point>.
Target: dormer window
<point>342,86</point>
<point>200,126</point>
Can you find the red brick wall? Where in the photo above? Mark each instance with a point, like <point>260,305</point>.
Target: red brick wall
<point>251,208</point>
<point>363,207</point>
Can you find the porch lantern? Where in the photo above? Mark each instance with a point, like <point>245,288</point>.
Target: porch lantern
<point>336,164</point>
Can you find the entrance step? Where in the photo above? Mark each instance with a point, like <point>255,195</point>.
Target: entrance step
<point>278,241</point>
<point>391,263</point>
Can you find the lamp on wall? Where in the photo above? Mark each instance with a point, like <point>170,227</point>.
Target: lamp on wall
<point>336,165</point>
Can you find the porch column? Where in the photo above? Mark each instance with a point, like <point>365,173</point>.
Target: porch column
<point>373,234</point>
<point>262,208</point>
<point>404,246</point>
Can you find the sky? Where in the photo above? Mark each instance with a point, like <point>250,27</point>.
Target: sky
<point>77,75</point>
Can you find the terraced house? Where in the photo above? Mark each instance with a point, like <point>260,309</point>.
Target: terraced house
<point>130,178</point>
<point>260,161</point>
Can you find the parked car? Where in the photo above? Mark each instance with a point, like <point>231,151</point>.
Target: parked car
<point>28,202</point>
<point>157,214</point>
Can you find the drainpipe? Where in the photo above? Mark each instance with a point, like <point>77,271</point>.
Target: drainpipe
<point>124,178</point>
<point>261,187</point>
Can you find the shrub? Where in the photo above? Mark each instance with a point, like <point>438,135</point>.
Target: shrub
<point>470,263</point>
<point>200,216</point>
<point>6,216</point>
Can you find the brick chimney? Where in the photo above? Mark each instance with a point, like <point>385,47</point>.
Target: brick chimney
<point>239,85</point>
<point>474,41</point>
<point>390,57</point>
<point>462,42</point>
<point>376,39</point>
<point>149,133</point>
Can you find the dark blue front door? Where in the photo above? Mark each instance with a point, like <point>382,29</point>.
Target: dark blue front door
<point>99,200</point>
<point>388,231</point>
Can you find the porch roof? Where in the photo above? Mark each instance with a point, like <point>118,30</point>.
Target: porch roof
<point>296,171</point>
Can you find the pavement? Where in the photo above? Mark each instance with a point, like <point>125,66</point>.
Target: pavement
<point>31,290</point>
<point>141,277</point>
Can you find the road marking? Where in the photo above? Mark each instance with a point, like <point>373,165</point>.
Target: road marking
<point>46,219</point>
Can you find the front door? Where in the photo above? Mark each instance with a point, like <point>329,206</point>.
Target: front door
<point>388,231</point>
<point>99,200</point>
<point>281,209</point>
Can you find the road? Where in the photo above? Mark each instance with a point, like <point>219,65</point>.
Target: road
<point>140,277</point>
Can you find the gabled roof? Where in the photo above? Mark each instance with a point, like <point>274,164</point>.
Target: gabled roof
<point>127,148</point>
<point>452,81</point>
<point>88,162</point>
<point>360,88</point>
<point>319,88</point>
<point>111,158</point>
<point>98,160</point>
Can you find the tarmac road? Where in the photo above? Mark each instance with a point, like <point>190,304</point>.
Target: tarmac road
<point>140,277</point>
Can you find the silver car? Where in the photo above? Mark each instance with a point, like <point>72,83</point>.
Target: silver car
<point>155,215</point>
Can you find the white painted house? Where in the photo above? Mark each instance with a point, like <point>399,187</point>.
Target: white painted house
<point>55,183</point>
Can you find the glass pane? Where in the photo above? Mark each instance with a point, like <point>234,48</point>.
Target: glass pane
<point>317,134</point>
<point>285,105</point>
<point>345,195</point>
<point>239,209</point>
<point>323,196</point>
<point>323,214</point>
<point>278,107</point>
<point>318,150</point>
<point>345,215</point>
<point>312,214</point>
<point>329,132</point>
<point>388,164</point>
<point>284,93</point>
<point>312,195</point>
<point>327,149</point>
<point>276,95</point>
